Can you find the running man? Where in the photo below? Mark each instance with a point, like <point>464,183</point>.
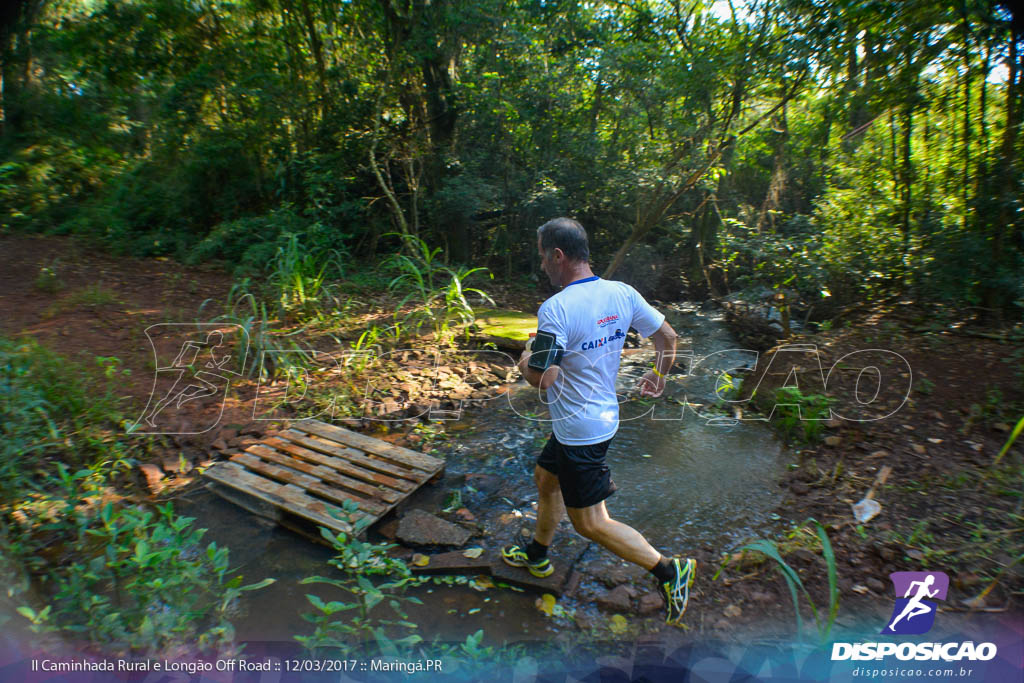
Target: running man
<point>915,607</point>
<point>587,318</point>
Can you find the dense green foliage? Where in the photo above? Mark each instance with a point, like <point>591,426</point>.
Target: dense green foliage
<point>842,150</point>
<point>125,577</point>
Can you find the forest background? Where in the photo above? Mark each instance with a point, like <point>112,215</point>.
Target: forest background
<point>846,151</point>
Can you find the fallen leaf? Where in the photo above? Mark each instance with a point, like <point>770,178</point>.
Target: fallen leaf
<point>860,588</point>
<point>420,560</point>
<point>473,553</point>
<point>918,448</point>
<point>915,554</point>
<point>933,440</point>
<point>618,624</point>
<point>473,611</point>
<point>481,583</point>
<point>546,603</point>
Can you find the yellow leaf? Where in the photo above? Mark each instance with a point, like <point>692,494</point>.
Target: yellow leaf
<point>546,603</point>
<point>420,560</point>
<point>473,553</point>
<point>481,583</point>
<point>619,625</point>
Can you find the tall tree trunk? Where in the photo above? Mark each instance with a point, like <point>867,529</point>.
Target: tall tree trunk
<point>1004,176</point>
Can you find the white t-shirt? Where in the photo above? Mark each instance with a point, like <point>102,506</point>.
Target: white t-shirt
<point>590,318</point>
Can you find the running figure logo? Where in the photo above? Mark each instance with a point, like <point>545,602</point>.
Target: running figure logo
<point>914,612</point>
<point>194,384</point>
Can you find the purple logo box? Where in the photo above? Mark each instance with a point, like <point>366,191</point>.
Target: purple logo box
<point>914,611</point>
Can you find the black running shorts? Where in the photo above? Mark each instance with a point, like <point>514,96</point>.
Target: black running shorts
<point>582,473</point>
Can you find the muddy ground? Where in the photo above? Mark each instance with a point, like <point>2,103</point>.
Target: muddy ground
<point>944,507</point>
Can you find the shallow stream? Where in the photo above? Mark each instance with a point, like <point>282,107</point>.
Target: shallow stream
<point>686,478</point>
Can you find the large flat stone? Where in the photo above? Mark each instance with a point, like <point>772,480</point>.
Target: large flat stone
<point>422,528</point>
<point>507,329</point>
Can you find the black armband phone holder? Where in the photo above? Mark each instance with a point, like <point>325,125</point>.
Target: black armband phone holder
<point>545,352</point>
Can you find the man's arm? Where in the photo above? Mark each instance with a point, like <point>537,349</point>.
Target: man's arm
<point>536,378</point>
<point>653,383</point>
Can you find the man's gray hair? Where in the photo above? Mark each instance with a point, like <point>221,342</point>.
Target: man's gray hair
<point>567,235</point>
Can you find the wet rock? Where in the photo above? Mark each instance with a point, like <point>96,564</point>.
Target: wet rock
<point>572,584</point>
<point>219,445</point>
<point>832,440</point>
<point>484,483</point>
<point>584,621</point>
<point>799,488</point>
<point>422,528</point>
<point>253,429</point>
<point>650,603</point>
<point>875,584</point>
<point>616,600</point>
<point>465,515</point>
<point>722,624</point>
<point>227,434</point>
<point>804,555</point>
<point>919,449</point>
<point>154,477</point>
<point>175,465</point>
<point>887,553</point>
<point>762,596</point>
<point>388,529</point>
<point>732,611</point>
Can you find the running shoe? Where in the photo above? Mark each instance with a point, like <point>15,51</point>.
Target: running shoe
<point>517,557</point>
<point>677,591</point>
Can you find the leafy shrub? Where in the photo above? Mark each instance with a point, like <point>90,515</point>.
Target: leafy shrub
<point>127,578</point>
<point>422,277</point>
<point>823,622</point>
<point>50,406</point>
<point>800,415</point>
<point>357,561</point>
<point>139,581</point>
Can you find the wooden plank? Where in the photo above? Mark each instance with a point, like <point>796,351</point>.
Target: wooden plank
<point>236,477</point>
<point>420,461</point>
<point>340,466</point>
<point>348,454</point>
<point>303,481</point>
<point>325,474</point>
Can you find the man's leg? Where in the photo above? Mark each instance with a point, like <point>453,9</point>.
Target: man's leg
<point>674,576</point>
<point>594,523</point>
<point>550,508</point>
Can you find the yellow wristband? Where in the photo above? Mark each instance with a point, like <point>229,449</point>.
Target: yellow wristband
<point>654,369</point>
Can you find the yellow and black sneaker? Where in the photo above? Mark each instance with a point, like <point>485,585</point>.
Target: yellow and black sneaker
<point>517,557</point>
<point>677,591</point>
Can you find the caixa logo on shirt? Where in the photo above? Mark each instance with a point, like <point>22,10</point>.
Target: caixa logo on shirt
<point>598,343</point>
<point>914,614</point>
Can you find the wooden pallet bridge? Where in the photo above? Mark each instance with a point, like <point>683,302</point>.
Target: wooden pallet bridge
<point>309,470</point>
